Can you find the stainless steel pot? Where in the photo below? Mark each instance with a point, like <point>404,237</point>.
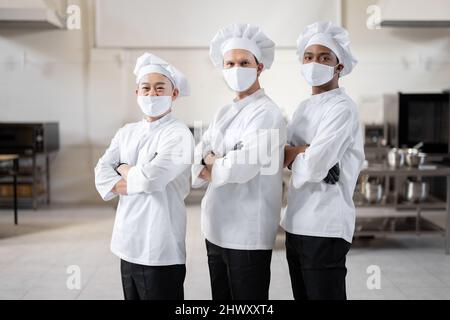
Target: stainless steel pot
<point>416,191</point>
<point>396,157</point>
<point>414,157</point>
<point>425,191</point>
<point>373,191</point>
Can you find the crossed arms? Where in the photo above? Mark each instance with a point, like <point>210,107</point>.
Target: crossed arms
<point>112,178</point>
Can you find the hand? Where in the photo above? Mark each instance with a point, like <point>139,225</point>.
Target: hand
<point>209,160</point>
<point>333,175</point>
<point>120,188</point>
<point>289,155</point>
<point>291,152</point>
<point>205,174</point>
<point>123,170</point>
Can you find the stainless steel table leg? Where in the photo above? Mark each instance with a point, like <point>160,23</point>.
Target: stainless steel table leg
<point>387,187</point>
<point>418,217</point>
<point>47,173</point>
<point>447,229</point>
<point>33,186</point>
<point>16,172</point>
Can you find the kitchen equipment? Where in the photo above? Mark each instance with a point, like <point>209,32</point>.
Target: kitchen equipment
<point>418,146</point>
<point>373,190</point>
<point>34,143</point>
<point>11,172</point>
<point>29,138</point>
<point>396,157</point>
<point>416,190</point>
<point>411,118</point>
<point>374,135</point>
<point>414,157</point>
<point>425,191</point>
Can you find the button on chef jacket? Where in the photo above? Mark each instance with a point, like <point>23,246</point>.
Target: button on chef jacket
<point>242,205</point>
<point>150,222</point>
<point>329,122</point>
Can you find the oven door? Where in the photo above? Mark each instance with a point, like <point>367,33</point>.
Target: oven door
<point>16,138</point>
<point>425,118</point>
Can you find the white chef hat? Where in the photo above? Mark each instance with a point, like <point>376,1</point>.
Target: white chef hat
<point>331,36</point>
<point>242,36</point>
<point>150,63</point>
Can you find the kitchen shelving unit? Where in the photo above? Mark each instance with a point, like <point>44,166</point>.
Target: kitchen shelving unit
<point>33,181</point>
<point>395,200</point>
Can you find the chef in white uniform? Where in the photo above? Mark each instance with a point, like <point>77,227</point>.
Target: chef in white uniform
<point>325,152</point>
<point>148,166</point>
<point>240,159</point>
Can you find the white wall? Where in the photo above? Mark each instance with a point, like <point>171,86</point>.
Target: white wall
<point>192,24</point>
<point>57,75</point>
<point>392,60</point>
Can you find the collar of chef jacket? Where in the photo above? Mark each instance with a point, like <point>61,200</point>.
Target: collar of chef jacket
<point>317,98</point>
<point>239,104</point>
<point>156,124</point>
<point>222,125</point>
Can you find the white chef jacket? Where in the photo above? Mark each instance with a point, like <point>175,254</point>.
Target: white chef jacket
<point>242,205</point>
<point>150,224</point>
<point>329,123</point>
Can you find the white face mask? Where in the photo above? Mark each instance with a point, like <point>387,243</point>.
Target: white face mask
<point>154,106</point>
<point>317,74</point>
<point>240,79</point>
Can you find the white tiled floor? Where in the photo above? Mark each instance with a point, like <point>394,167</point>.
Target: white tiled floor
<point>34,257</point>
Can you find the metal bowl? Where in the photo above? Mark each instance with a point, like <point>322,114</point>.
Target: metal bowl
<point>373,192</point>
<point>416,190</point>
<point>414,158</point>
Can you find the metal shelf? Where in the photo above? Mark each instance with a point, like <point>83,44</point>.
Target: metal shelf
<point>432,203</point>
<point>33,172</point>
<point>396,201</point>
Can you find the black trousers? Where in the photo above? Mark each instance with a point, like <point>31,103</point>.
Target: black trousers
<point>152,282</point>
<point>238,274</point>
<point>317,267</point>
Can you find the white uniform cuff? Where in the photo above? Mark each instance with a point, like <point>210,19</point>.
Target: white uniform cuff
<point>108,195</point>
<point>298,178</point>
<point>220,173</point>
<point>135,181</point>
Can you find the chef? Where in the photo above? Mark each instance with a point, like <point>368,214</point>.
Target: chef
<point>148,166</point>
<point>240,159</point>
<point>324,133</point>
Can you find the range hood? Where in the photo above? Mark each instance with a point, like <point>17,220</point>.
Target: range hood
<point>31,14</point>
<point>414,13</point>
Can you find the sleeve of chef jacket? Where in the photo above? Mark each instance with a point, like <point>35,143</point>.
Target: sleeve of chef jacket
<point>105,175</point>
<point>256,139</point>
<point>332,138</point>
<point>290,128</point>
<point>201,150</point>
<point>173,157</point>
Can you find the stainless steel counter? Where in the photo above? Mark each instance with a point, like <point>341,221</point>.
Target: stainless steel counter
<point>383,170</point>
